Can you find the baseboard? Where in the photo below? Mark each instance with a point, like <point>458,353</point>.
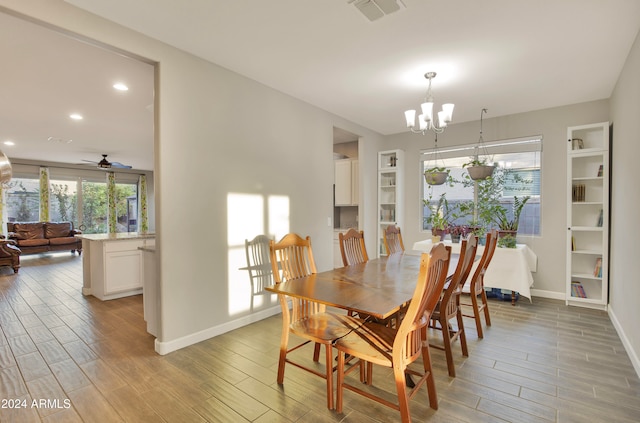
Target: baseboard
<point>548,294</point>
<point>633,356</point>
<point>163,348</point>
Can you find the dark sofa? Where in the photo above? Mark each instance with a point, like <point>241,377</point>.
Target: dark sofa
<point>43,237</point>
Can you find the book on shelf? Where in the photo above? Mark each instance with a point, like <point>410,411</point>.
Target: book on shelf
<point>600,218</point>
<point>600,170</point>
<point>577,290</point>
<point>597,271</point>
<point>573,243</point>
<point>578,193</point>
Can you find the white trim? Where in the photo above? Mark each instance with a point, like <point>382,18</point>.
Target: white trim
<point>163,348</point>
<point>633,355</point>
<point>548,294</point>
<point>515,145</point>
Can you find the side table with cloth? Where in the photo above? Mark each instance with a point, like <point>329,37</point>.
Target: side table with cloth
<point>510,268</point>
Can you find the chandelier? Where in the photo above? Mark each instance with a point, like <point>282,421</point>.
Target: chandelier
<point>426,120</point>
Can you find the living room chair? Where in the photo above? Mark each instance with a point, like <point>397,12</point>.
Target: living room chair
<point>449,305</point>
<point>306,319</point>
<point>352,247</point>
<point>9,254</point>
<point>393,240</point>
<point>372,343</point>
<point>476,292</point>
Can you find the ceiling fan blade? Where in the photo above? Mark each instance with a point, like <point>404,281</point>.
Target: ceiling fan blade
<point>90,161</point>
<point>120,165</point>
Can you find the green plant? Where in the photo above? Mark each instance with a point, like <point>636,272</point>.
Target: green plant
<point>440,212</point>
<point>507,241</point>
<point>501,216</point>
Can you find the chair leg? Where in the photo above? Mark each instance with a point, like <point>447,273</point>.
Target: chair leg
<point>431,383</point>
<point>284,342</point>
<point>476,315</point>
<point>329,374</point>
<point>461,334</point>
<point>339,382</point>
<point>403,398</point>
<point>446,339</point>
<point>487,318</point>
<point>316,352</point>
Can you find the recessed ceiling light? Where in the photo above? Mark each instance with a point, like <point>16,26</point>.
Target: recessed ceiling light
<point>120,87</point>
<point>9,143</point>
<point>75,116</point>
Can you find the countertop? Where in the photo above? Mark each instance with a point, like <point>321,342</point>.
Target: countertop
<point>120,236</point>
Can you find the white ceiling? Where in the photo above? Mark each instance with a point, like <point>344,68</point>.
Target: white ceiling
<point>509,56</point>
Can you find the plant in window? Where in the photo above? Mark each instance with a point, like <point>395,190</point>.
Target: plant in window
<point>478,167</point>
<point>502,218</point>
<point>440,214</point>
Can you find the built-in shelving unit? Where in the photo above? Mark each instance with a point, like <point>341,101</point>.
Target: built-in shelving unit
<point>587,282</point>
<point>390,192</point>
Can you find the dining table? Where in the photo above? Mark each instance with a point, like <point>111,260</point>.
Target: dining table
<point>380,287</point>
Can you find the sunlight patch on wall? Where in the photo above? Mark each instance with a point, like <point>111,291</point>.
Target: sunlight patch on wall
<point>246,218</point>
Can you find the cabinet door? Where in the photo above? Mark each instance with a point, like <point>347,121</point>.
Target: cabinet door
<point>342,182</point>
<point>123,270</point>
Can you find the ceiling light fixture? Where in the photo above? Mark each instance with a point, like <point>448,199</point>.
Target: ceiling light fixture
<point>120,87</point>
<point>75,116</point>
<point>426,120</point>
<point>9,142</point>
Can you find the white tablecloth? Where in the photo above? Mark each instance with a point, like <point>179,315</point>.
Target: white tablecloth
<point>509,269</point>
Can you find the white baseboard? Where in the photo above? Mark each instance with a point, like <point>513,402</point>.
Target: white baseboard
<point>548,294</point>
<point>166,347</point>
<point>633,356</point>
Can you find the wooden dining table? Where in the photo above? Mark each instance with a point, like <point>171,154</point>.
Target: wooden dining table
<point>380,287</point>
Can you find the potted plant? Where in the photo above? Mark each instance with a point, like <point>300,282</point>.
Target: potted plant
<point>456,232</point>
<point>479,169</point>
<point>439,216</point>
<point>508,225</point>
<point>436,175</point>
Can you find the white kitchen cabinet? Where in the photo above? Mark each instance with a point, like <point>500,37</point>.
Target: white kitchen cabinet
<point>346,181</point>
<point>587,280</point>
<point>113,264</point>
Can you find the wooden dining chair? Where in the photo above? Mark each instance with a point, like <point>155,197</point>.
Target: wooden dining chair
<point>476,292</point>
<point>352,247</point>
<point>306,319</point>
<point>393,240</point>
<point>449,305</point>
<point>372,343</point>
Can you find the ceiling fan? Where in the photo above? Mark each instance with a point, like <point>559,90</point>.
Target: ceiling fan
<point>106,164</point>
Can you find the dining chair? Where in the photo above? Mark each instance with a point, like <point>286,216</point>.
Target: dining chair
<point>352,247</point>
<point>393,240</point>
<point>292,259</point>
<point>258,263</point>
<point>476,285</point>
<point>449,305</point>
<point>372,343</point>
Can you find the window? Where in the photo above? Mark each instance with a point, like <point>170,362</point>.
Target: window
<point>518,171</point>
<point>94,207</point>
<point>23,200</point>
<point>63,200</point>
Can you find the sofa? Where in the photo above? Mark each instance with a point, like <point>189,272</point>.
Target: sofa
<point>44,237</point>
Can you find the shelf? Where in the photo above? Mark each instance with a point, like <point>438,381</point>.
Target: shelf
<point>588,252</point>
<point>587,228</point>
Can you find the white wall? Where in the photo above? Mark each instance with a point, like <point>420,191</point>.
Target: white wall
<point>219,133</point>
<point>624,289</point>
<point>549,280</point>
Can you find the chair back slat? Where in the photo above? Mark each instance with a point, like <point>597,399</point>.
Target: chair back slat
<point>291,259</point>
<point>407,345</point>
<point>451,296</point>
<point>393,240</point>
<point>477,281</point>
<point>352,247</point>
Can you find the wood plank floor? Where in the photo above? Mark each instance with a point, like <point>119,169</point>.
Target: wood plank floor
<point>83,360</point>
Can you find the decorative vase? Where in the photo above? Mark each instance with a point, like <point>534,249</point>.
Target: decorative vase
<point>455,238</point>
<point>435,178</point>
<point>478,173</point>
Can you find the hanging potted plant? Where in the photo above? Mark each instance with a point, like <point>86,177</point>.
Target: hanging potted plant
<point>436,175</point>
<point>479,168</point>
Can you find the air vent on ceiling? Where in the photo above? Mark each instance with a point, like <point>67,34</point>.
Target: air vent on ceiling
<point>375,9</point>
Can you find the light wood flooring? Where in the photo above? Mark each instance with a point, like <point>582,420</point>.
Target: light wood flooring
<point>84,360</point>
